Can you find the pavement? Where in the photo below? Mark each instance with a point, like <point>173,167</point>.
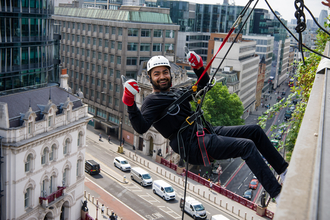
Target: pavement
<point>95,193</point>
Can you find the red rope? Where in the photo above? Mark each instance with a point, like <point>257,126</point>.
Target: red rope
<point>209,64</point>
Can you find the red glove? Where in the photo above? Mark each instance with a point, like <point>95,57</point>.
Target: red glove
<point>195,60</point>
<point>131,88</point>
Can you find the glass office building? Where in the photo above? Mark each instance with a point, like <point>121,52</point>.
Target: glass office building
<point>27,45</point>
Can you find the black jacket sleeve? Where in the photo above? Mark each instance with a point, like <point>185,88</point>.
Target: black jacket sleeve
<point>205,78</point>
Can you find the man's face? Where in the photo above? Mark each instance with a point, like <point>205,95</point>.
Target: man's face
<point>161,79</point>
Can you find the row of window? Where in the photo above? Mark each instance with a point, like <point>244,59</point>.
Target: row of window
<point>105,43</point>
<point>130,61</point>
<point>50,154</point>
<point>132,32</point>
<point>103,114</point>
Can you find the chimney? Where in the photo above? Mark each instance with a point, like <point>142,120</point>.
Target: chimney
<point>64,79</point>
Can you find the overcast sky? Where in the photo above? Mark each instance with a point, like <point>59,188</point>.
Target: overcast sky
<point>284,7</point>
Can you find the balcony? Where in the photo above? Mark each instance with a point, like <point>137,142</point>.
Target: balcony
<point>45,201</point>
<point>305,194</point>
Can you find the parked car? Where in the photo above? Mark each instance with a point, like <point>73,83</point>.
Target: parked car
<point>253,184</point>
<point>287,115</point>
<point>92,167</point>
<point>248,194</point>
<point>283,93</point>
<point>278,135</point>
<point>121,163</point>
<point>292,108</point>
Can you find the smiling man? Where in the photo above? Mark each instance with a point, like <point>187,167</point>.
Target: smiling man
<point>176,123</point>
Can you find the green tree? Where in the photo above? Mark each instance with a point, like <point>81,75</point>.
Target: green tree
<point>222,108</point>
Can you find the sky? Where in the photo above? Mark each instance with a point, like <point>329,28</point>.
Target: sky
<point>285,7</point>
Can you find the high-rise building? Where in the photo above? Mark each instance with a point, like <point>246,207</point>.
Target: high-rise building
<point>242,59</point>
<point>98,46</point>
<point>264,49</point>
<point>43,142</point>
<point>323,17</point>
<point>27,45</point>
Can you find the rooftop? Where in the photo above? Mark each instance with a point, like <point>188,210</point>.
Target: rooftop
<point>115,15</point>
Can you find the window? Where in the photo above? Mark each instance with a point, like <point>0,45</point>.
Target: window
<point>98,68</point>
<point>98,82</point>
<point>87,78</point>
<point>92,93</point>
<point>168,47</point>
<point>83,26</point>
<point>105,70</point>
<point>112,58</point>
<point>87,67</point>
<point>117,88</point>
<point>99,55</point>
<point>120,31</point>
<point>28,163</point>
<point>111,72</point>
<point>169,34</point>
<point>110,100</point>
<point>97,95</point>
<point>100,29</point>
<point>77,50</point>
<point>52,184</point>
<point>52,152</point>
<point>105,57</point>
<point>27,197</point>
<point>107,30</point>
<point>144,59</point>
<point>113,30</point>
<point>117,73</point>
<point>82,64</point>
<point>82,52</point>
<point>72,49</point>
<point>83,39</point>
<point>94,41</point>
<point>118,59</point>
<point>132,46</point>
<point>88,53</point>
<point>30,127</point>
<point>94,28</point>
<point>88,40</point>
<point>94,53</point>
<point>110,86</point>
<point>66,146</point>
<point>104,84</point>
<point>145,33</point>
<point>78,171</point>
<point>44,156</point>
<point>100,42</point>
<point>65,177</point>
<point>157,33</point>
<point>157,47</point>
<point>73,25</point>
<point>79,140</point>
<point>78,26</point>
<point>144,47</point>
<point>50,118</point>
<point>106,43</point>
<point>130,75</point>
<point>72,37</point>
<point>93,69</point>
<point>120,45</point>
<point>131,61</point>
<point>78,38</point>
<point>112,44</point>
<point>116,102</point>
<point>133,32</point>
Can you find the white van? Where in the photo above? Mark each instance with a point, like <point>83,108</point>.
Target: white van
<point>141,176</point>
<point>163,189</point>
<point>193,208</point>
<point>219,217</point>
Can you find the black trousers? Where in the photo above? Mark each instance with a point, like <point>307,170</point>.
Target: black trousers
<point>248,142</point>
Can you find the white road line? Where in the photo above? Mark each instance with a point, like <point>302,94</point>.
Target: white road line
<point>169,212</point>
<point>245,179</point>
<point>240,186</point>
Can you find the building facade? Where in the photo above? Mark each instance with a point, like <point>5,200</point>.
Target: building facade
<point>264,49</point>
<point>43,141</point>
<point>243,59</point>
<point>27,45</point>
<point>98,46</point>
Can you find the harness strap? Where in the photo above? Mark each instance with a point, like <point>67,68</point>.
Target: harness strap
<point>200,133</point>
<point>174,105</point>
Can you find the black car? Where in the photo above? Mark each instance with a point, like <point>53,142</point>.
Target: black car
<point>283,93</point>
<point>92,167</point>
<point>248,194</point>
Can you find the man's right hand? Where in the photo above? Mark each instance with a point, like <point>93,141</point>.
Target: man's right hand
<point>131,88</point>
<point>195,60</point>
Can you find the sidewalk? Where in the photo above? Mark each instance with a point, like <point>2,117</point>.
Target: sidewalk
<point>219,201</point>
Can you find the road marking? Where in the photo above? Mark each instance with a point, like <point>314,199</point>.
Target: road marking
<point>240,185</point>
<point>170,212</point>
<point>245,179</point>
<point>154,216</point>
<point>149,198</point>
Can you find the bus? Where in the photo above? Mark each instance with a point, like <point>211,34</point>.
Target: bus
<point>291,82</point>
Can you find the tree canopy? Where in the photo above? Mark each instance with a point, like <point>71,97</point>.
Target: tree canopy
<point>222,108</point>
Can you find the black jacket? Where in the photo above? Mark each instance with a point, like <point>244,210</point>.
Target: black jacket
<point>153,106</point>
